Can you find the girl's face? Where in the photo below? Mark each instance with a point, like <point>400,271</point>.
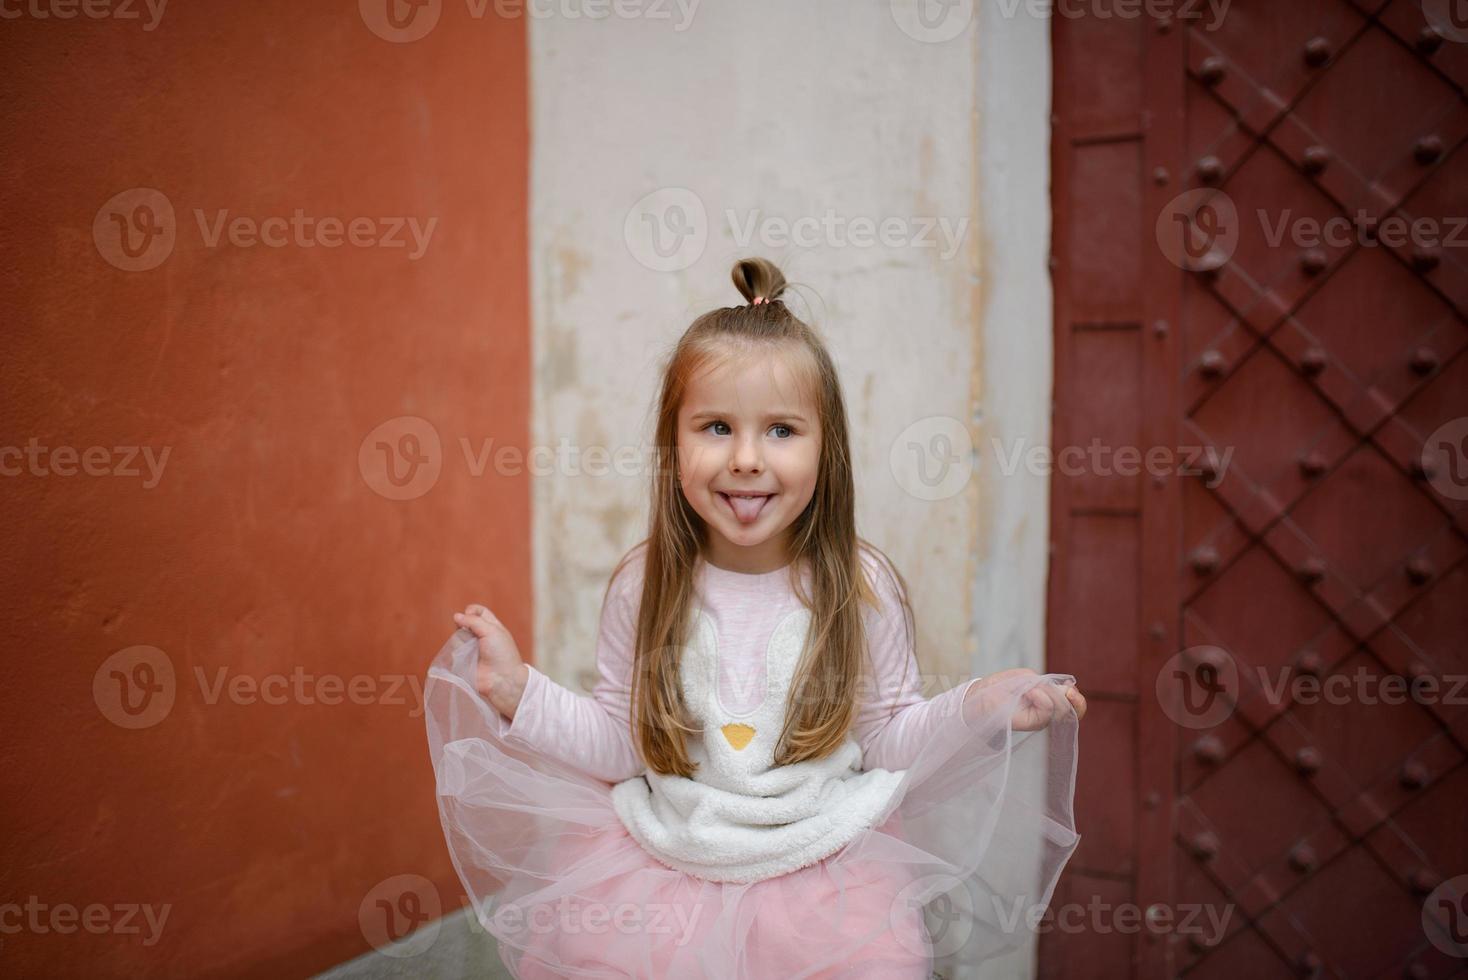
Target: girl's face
<point>747,427</point>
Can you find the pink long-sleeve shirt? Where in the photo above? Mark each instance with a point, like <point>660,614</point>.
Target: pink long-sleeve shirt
<point>893,720</point>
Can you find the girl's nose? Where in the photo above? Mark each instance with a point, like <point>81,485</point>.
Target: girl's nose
<point>746,458</point>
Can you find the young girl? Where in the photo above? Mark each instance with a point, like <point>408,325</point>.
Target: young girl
<point>756,787</point>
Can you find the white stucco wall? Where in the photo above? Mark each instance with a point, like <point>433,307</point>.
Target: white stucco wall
<point>794,109</point>
<point>1014,323</point>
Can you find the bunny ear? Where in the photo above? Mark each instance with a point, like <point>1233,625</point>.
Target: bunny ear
<point>698,666</point>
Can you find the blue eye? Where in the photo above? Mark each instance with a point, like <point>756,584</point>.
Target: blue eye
<point>778,425</point>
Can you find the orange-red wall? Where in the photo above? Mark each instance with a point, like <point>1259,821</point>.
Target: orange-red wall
<point>264,547</point>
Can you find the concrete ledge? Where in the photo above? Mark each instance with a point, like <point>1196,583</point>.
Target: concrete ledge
<point>461,948</point>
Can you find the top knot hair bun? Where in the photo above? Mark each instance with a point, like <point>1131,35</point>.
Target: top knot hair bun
<point>758,280</point>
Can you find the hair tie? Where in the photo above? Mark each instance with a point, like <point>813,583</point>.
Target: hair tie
<point>758,300</point>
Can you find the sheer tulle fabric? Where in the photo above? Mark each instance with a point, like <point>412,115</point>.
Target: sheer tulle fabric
<point>955,872</point>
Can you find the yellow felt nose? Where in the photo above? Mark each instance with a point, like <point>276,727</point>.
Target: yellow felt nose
<point>738,735</point>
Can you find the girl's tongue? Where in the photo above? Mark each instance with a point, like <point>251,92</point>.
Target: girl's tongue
<point>746,509</point>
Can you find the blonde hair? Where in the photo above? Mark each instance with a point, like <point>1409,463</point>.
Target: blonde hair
<point>824,689</point>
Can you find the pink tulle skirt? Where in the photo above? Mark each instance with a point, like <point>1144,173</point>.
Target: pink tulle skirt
<point>956,871</point>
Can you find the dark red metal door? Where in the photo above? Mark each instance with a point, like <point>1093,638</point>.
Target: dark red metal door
<point>1261,276</point>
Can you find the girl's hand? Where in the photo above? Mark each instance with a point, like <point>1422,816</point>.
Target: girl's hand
<point>501,674</point>
<point>1039,705</point>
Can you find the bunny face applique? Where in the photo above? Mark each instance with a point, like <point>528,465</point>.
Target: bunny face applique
<point>742,818</point>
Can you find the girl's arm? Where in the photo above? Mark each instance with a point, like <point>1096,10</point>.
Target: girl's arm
<point>894,721</point>
<point>593,733</point>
